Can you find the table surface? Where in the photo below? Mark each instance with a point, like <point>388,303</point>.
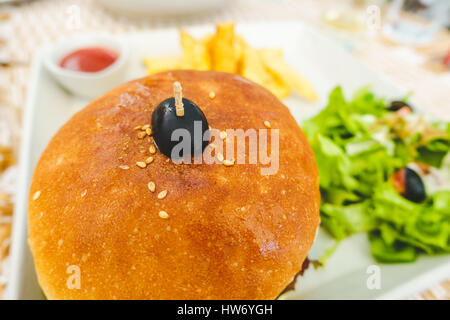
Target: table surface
<point>26,27</point>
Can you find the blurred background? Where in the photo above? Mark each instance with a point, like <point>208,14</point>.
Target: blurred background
<point>406,40</point>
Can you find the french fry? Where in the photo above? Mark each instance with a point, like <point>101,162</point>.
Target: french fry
<point>253,69</point>
<point>195,53</point>
<point>274,62</point>
<point>239,46</point>
<point>155,65</point>
<point>222,49</point>
<point>228,52</point>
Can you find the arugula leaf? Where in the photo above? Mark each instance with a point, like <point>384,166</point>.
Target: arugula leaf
<point>343,221</point>
<point>334,166</point>
<point>391,253</point>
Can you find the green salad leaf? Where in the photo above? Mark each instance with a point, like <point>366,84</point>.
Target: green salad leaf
<point>358,146</point>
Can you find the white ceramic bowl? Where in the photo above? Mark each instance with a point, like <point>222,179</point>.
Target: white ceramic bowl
<point>145,8</point>
<point>88,85</point>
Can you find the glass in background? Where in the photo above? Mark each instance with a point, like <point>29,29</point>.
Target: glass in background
<point>416,22</point>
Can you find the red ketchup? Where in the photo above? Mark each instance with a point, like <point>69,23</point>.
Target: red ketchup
<point>446,60</point>
<point>93,59</point>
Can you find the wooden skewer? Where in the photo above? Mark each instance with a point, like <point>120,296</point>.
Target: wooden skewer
<point>177,92</point>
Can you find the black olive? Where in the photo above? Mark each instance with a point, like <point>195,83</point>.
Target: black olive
<point>410,185</point>
<point>165,121</point>
<point>397,105</point>
<point>414,187</point>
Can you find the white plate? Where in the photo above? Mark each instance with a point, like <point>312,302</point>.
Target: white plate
<point>154,8</point>
<point>322,61</point>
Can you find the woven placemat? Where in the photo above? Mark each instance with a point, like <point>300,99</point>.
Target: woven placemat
<point>26,27</point>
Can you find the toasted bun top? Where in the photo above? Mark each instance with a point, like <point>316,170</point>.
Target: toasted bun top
<point>232,233</point>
